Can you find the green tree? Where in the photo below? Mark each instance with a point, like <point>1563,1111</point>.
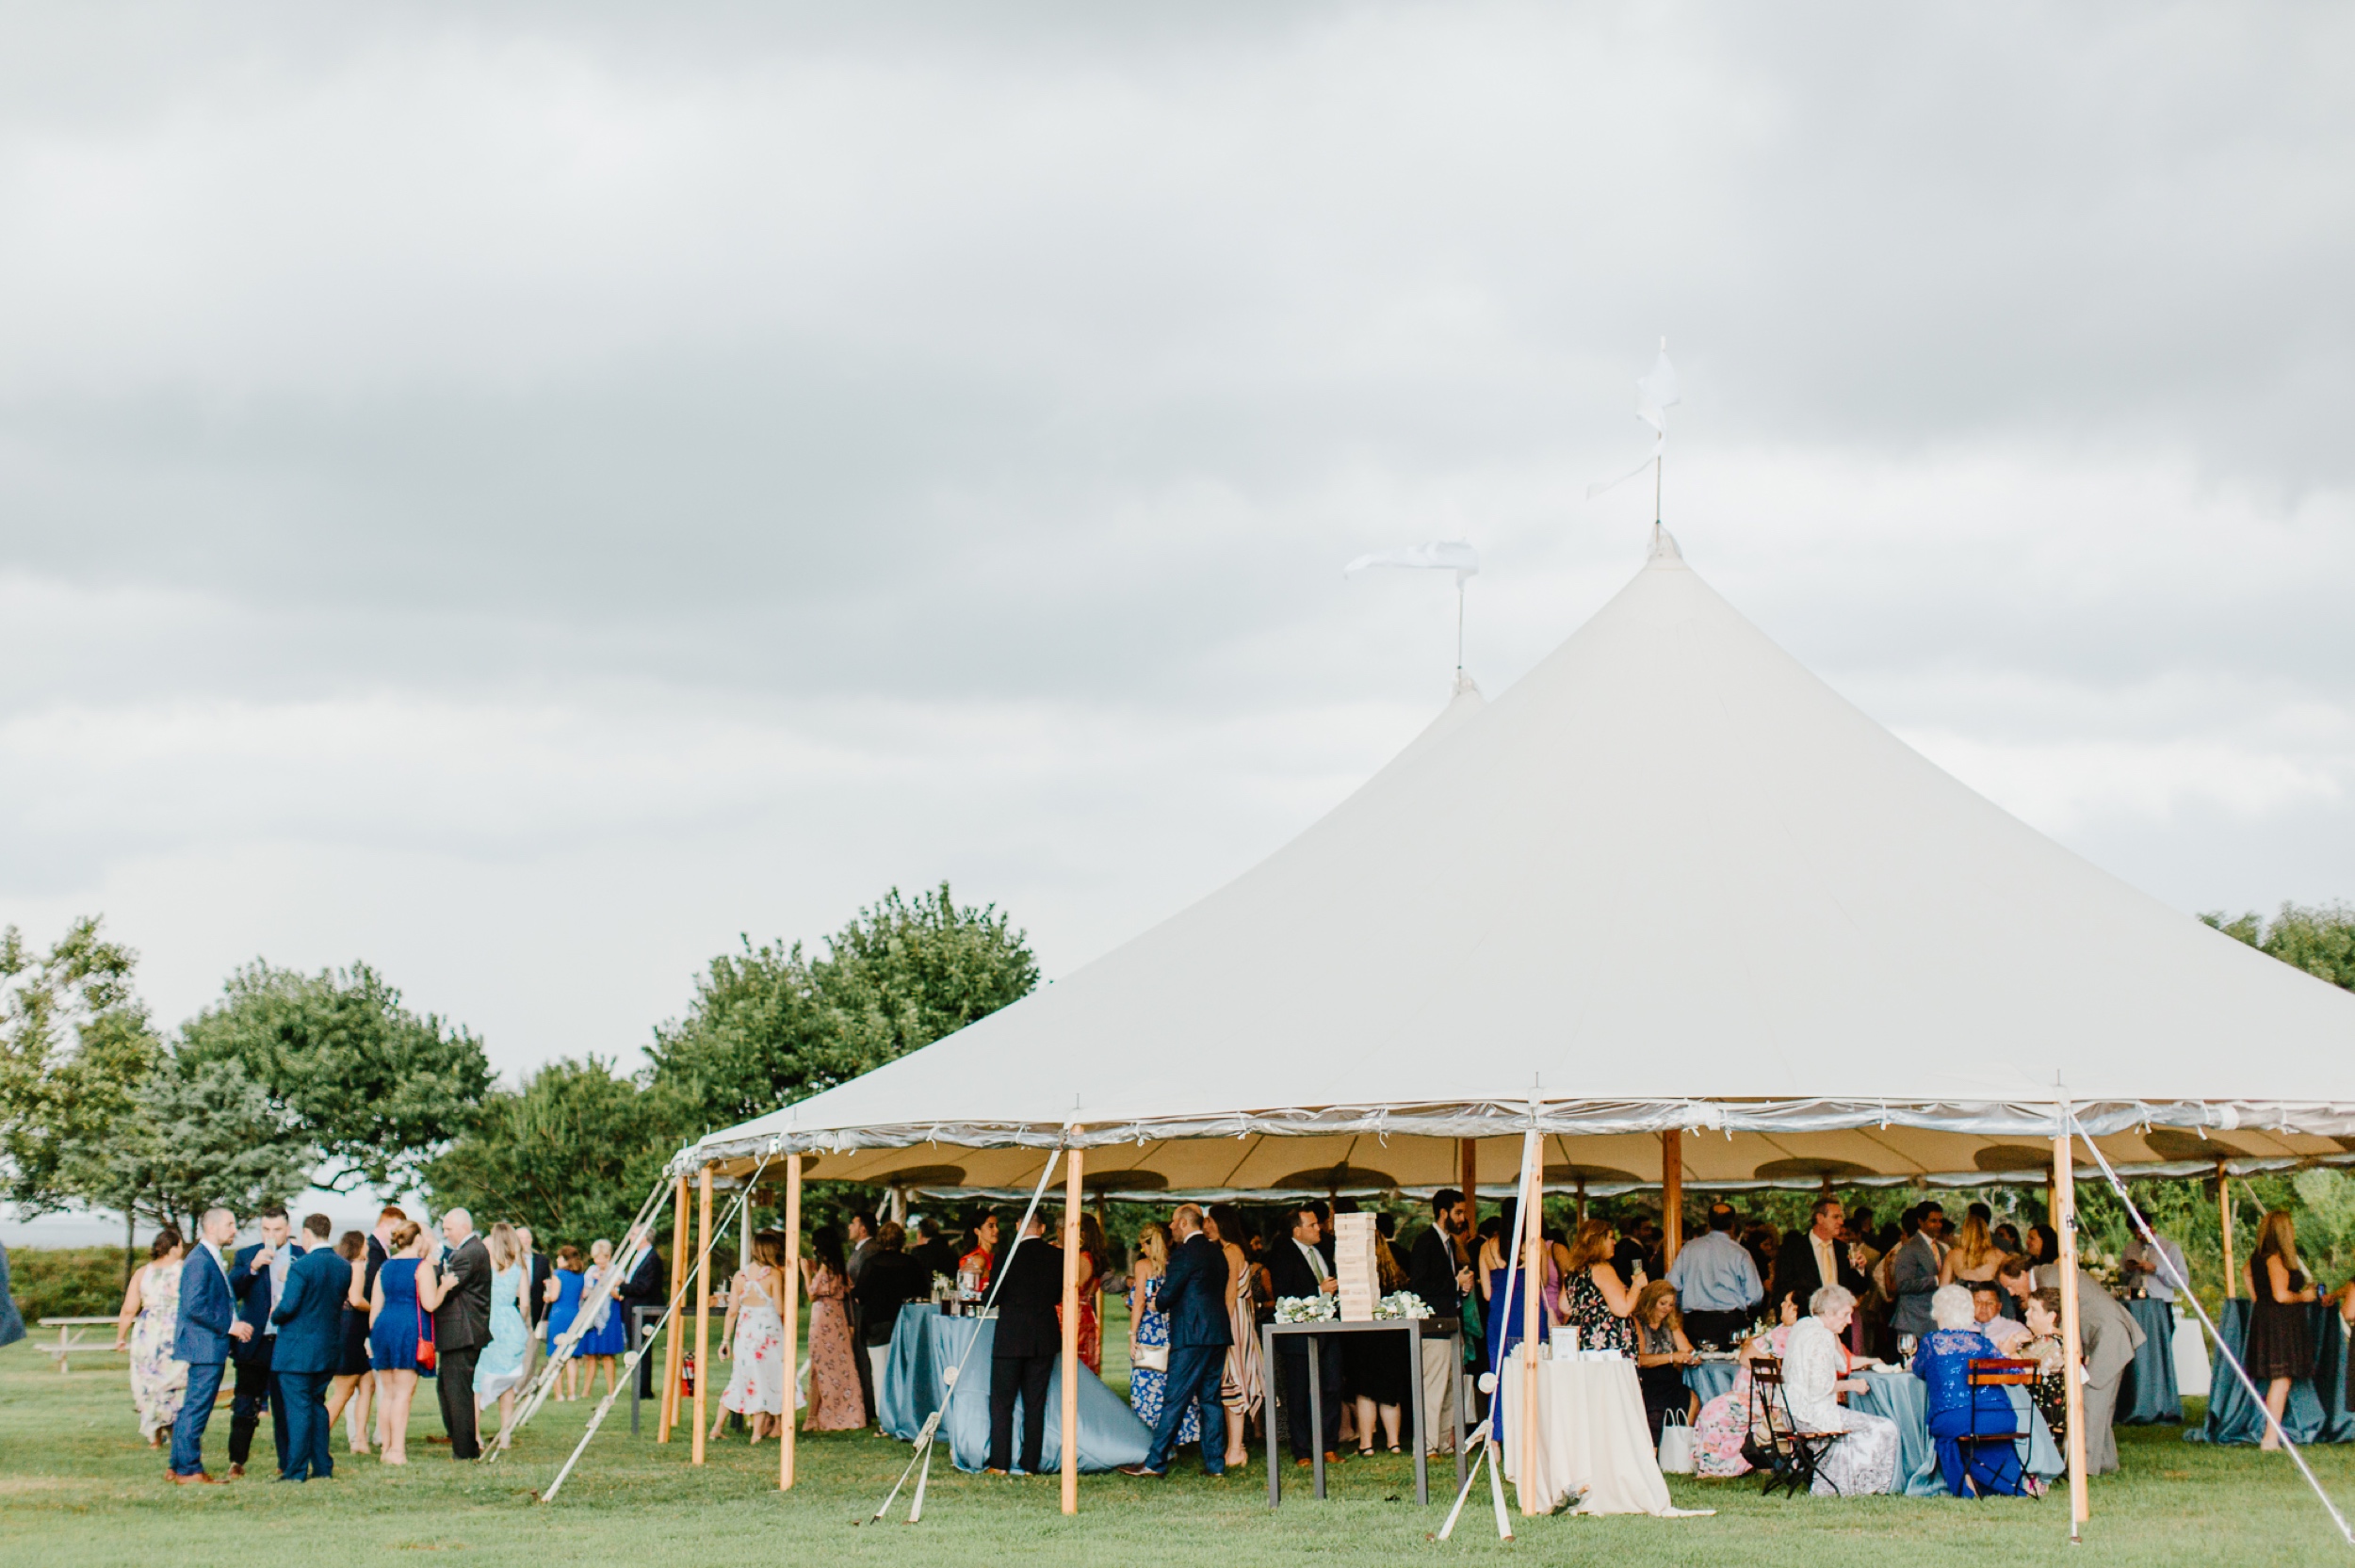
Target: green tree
<point>571,1155</point>
<point>771,1025</point>
<point>2319,940</point>
<point>200,1133</point>
<point>381,1090</point>
<point>75,1044</point>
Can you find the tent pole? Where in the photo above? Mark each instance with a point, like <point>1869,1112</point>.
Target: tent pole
<point>2224,1216</point>
<point>1532,1217</point>
<point>1671,1196</point>
<point>2073,1340</point>
<point>671,1345</point>
<point>1581,1197</point>
<point>793,1316</point>
<point>1468,1177</point>
<point>703,1307</point>
<point>1070,1443</point>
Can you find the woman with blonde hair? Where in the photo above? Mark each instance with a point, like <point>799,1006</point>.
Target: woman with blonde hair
<point>606,1337</point>
<point>2280,1346</point>
<point>752,1339</point>
<point>1974,1256</point>
<point>498,1370</point>
<point>1662,1353</point>
<point>1148,1338</point>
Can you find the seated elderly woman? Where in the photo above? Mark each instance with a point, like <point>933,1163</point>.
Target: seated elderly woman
<point>1865,1461</point>
<point>1959,1411</point>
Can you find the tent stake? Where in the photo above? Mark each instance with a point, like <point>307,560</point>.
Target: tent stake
<point>703,1307</point>
<point>1070,1442</point>
<point>792,1317</point>
<point>671,1346</point>
<point>2072,1341</point>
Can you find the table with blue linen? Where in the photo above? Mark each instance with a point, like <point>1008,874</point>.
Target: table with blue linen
<point>1902,1397</point>
<point>2317,1410</point>
<point>925,1343</point>
<point>1709,1379</point>
<point>2146,1391</point>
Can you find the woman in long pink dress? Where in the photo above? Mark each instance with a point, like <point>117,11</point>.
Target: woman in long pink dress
<point>1724,1425</point>
<point>835,1402</point>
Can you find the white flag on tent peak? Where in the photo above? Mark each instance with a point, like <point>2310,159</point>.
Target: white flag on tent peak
<point>1444,554</point>
<point>1655,394</point>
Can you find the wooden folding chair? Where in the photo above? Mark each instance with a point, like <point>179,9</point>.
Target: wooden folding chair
<point>1794,1458</point>
<point>1995,1372</point>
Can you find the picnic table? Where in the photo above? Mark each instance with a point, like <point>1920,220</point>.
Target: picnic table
<point>70,1337</point>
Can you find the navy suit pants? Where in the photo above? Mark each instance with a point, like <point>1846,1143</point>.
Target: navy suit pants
<point>196,1409</point>
<point>256,1388</point>
<point>1196,1373</point>
<point>303,1456</point>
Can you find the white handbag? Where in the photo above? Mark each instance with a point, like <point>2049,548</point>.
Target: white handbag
<point>1676,1445</point>
<point>1150,1358</point>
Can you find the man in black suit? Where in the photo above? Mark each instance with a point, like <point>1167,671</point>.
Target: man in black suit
<point>645,1287</point>
<point>462,1326</point>
<point>310,1322</point>
<point>1194,1294</point>
<point>862,1236</point>
<point>934,1251</point>
<point>1022,1357</point>
<point>1439,1271</point>
<point>535,1306</point>
<point>257,1278</point>
<point>1810,1259</point>
<point>1297,1267</point>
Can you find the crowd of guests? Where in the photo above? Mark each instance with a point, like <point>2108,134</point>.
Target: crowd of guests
<point>309,1329</point>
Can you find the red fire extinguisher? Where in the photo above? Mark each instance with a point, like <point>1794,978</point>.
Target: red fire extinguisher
<point>687,1376</point>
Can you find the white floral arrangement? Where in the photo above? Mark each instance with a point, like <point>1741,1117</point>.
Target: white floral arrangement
<point>1307,1309</point>
<point>1402,1304</point>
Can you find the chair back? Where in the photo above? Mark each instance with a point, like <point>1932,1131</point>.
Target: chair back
<point>1766,1389</point>
<point>1998,1372</point>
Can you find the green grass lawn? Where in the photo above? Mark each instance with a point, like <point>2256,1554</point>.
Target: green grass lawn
<point>76,1487</point>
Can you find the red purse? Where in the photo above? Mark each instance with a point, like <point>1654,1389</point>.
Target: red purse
<point>425,1339</point>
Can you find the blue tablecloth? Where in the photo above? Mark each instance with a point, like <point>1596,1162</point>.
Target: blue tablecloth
<point>2317,1408</point>
<point>2146,1392</point>
<point>925,1345</point>
<point>1709,1379</point>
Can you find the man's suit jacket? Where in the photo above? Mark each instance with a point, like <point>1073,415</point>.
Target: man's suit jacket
<point>854,1267</point>
<point>1028,1292</point>
<point>1913,1274</point>
<point>1431,1272</point>
<point>462,1321</point>
<point>2110,1334</point>
<point>645,1287</point>
<point>251,1290</point>
<point>1796,1275</point>
<point>1288,1272</point>
<point>206,1310</point>
<point>535,1308</point>
<point>310,1315</point>
<point>1195,1293</point>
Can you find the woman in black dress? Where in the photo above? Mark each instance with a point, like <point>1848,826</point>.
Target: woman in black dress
<point>2280,1332</point>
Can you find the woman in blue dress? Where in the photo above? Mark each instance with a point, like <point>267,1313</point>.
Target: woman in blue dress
<point>1149,1340</point>
<point>1505,1306</point>
<point>563,1298</point>
<point>607,1339</point>
<point>1956,1409</point>
<point>499,1367</point>
<point>397,1325</point>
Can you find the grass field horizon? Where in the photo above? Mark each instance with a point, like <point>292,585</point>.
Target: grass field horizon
<point>77,1488</point>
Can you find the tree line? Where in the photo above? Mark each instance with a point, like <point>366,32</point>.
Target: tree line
<point>290,1079</point>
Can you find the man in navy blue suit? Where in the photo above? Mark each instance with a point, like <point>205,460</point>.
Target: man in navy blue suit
<point>257,1279</point>
<point>208,1323</point>
<point>1194,1294</point>
<point>310,1324</point>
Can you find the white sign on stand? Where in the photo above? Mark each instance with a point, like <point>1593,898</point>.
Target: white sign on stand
<point>1353,1265</point>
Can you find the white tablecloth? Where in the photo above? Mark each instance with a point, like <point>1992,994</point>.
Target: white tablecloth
<point>1592,1439</point>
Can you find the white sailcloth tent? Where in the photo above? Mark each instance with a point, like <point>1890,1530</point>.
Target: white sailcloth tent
<point>1670,881</point>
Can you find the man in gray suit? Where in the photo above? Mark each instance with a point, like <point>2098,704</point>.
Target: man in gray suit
<point>2110,1337</point>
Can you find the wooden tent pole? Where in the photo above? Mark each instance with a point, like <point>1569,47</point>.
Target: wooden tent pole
<point>1468,1177</point>
<point>792,1317</point>
<point>703,1306</point>
<point>1070,1440</point>
<point>1581,1197</point>
<point>670,1343</point>
<point>1532,1222</point>
<point>1671,1196</point>
<point>2224,1216</point>
<point>2072,1339</point>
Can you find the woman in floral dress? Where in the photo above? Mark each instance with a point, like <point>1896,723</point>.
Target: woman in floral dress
<point>2045,1346</point>
<point>1594,1299</point>
<point>835,1403</point>
<point>150,1322</point>
<point>1149,1340</point>
<point>1724,1425</point>
<point>752,1341</point>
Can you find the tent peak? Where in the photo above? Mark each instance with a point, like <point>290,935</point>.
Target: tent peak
<point>1464,683</point>
<point>1664,554</point>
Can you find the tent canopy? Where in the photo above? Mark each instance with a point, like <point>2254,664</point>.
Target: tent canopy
<point>1670,879</point>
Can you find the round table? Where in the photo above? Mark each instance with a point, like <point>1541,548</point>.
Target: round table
<point>1593,1441</point>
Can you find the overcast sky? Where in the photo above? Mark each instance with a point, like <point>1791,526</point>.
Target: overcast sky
<point>525,494</point>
